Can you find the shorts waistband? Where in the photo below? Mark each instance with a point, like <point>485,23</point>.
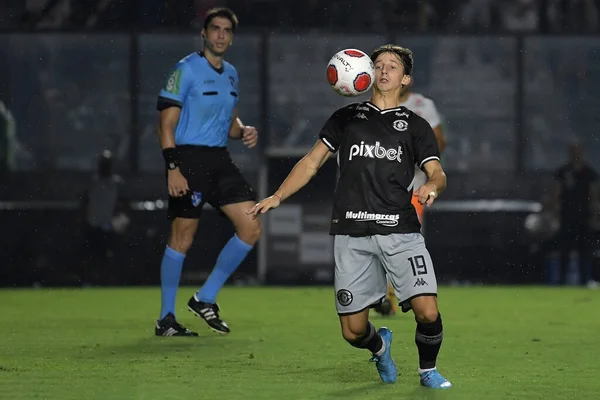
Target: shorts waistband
<point>193,147</point>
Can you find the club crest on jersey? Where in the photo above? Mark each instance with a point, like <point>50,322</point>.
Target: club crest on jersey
<point>400,125</point>
<point>232,80</point>
<point>375,151</point>
<point>196,198</point>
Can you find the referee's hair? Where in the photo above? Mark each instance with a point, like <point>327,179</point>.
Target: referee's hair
<point>222,12</point>
<point>405,55</point>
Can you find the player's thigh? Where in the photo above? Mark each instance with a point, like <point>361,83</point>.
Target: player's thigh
<point>230,187</point>
<point>199,176</point>
<point>359,279</point>
<point>408,265</point>
<point>245,226</point>
<point>182,234</point>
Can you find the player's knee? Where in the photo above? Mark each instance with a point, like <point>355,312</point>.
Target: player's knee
<point>250,233</point>
<point>181,239</point>
<point>353,333</point>
<point>427,315</point>
<point>180,243</point>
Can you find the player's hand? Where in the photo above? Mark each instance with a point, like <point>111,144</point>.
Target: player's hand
<point>249,136</point>
<point>426,194</point>
<point>178,185</point>
<point>264,205</point>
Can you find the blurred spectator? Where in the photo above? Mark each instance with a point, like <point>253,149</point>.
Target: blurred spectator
<point>7,140</point>
<point>477,15</point>
<point>575,192</point>
<point>521,15</point>
<point>105,218</point>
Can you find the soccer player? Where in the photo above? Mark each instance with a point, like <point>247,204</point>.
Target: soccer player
<point>198,113</point>
<point>376,229</point>
<point>425,108</point>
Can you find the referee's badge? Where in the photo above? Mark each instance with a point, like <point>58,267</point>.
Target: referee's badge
<point>400,125</point>
<point>196,198</point>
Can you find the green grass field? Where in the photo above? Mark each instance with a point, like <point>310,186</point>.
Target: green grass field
<point>500,343</point>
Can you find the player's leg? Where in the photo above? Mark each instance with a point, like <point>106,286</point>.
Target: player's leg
<point>360,283</point>
<point>184,213</point>
<point>180,241</point>
<point>410,269</point>
<point>388,306</point>
<point>248,231</point>
<point>234,197</point>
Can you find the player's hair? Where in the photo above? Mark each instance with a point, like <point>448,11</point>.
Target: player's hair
<point>405,55</point>
<point>222,12</point>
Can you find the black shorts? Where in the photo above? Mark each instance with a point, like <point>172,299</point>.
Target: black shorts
<point>212,178</point>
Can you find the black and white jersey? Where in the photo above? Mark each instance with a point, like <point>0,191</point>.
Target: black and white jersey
<point>378,151</point>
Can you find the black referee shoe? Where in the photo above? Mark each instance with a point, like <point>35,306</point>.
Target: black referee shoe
<point>168,326</point>
<point>210,314</point>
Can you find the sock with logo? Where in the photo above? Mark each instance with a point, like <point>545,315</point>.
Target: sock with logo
<point>232,255</point>
<point>428,339</point>
<point>170,273</point>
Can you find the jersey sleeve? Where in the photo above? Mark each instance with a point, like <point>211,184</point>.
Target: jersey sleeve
<point>331,133</point>
<point>236,86</point>
<point>430,114</point>
<point>426,147</point>
<point>176,87</point>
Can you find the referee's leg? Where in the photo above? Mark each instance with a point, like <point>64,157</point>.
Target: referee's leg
<point>247,232</point>
<point>185,217</point>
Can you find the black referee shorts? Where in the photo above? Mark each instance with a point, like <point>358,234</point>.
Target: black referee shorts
<point>212,178</point>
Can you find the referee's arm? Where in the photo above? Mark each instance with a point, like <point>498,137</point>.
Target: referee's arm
<point>169,117</point>
<point>236,129</point>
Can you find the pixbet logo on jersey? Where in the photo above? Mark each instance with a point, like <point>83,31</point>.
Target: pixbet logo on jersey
<point>375,151</point>
<point>381,219</point>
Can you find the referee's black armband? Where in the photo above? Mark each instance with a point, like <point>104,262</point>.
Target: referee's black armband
<point>163,103</point>
<point>170,156</point>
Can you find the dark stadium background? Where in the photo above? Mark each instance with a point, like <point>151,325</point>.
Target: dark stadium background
<point>515,82</point>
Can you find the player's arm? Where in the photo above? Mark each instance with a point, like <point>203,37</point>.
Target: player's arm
<point>168,120</point>
<point>428,159</point>
<point>170,101</point>
<point>441,139</point>
<point>328,144</point>
<point>436,177</point>
<point>303,171</point>
<point>300,175</point>
<point>237,130</point>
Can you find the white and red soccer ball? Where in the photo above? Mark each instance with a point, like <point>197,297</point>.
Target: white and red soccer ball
<point>350,72</point>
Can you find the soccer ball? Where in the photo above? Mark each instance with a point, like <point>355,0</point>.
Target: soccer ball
<point>350,72</point>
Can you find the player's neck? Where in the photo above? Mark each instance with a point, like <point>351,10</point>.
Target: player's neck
<point>404,97</point>
<point>385,101</point>
<point>214,60</point>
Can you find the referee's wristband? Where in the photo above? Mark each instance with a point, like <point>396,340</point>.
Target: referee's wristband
<point>170,156</point>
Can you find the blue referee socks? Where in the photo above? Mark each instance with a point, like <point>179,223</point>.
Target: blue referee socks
<point>170,272</point>
<point>229,259</point>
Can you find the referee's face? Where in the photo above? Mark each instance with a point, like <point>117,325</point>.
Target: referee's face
<point>389,73</point>
<point>218,35</point>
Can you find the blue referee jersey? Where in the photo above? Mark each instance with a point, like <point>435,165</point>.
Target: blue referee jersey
<point>207,97</point>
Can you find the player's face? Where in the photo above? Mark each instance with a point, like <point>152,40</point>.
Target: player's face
<point>218,35</point>
<point>389,73</point>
